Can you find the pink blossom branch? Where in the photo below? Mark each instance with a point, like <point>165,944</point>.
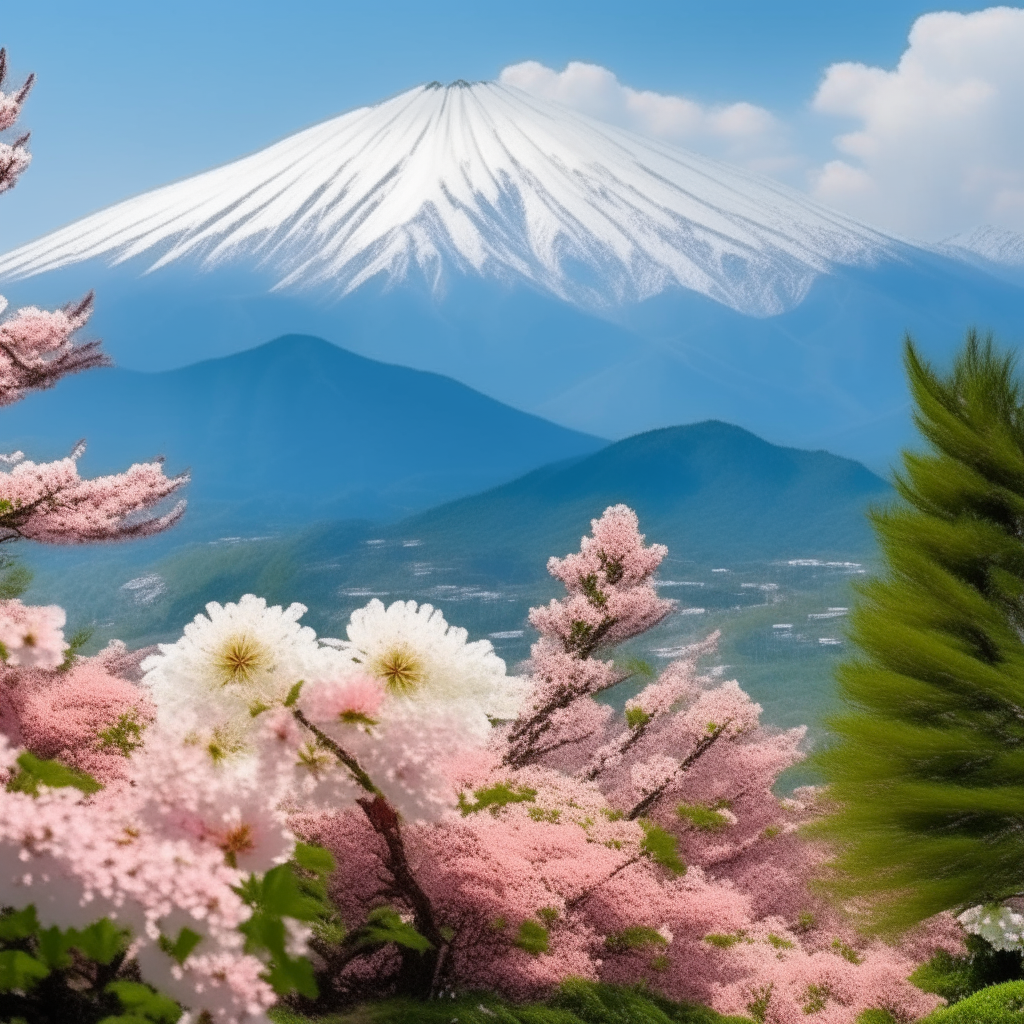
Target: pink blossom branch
<point>14,158</point>
<point>703,745</point>
<point>36,349</point>
<point>420,969</point>
<point>49,502</point>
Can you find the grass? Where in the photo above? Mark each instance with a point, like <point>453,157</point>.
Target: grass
<point>577,1002</point>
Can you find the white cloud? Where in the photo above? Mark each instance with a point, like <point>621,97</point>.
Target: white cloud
<point>939,146</point>
<point>740,132</point>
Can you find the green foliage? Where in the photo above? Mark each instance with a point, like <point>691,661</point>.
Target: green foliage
<point>708,819</point>
<point>758,1006</point>
<point>34,772</point>
<point>180,948</point>
<point>576,1002</point>
<point>927,768</point>
<point>283,892</point>
<point>384,925</point>
<point>293,694</point>
<point>662,847</point>
<point>724,940</point>
<point>780,943</point>
<point>493,798</point>
<point>956,977</point>
<point>532,937</point>
<point>75,642</point>
<point>125,735</point>
<point>846,951</point>
<point>14,578</point>
<point>876,1016</point>
<point>635,937</point>
<point>816,998</point>
<point>50,976</point>
<point>142,1005</point>
<point>999,1004</point>
<point>636,717</point>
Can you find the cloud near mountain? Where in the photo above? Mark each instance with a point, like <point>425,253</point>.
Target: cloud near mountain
<point>927,149</point>
<point>742,132</point>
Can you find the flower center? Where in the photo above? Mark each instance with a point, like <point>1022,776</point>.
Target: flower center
<point>237,840</point>
<point>400,670</point>
<point>240,659</point>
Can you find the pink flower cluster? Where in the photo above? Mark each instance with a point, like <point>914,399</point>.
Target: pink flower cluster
<point>50,503</point>
<point>36,348</point>
<point>645,848</point>
<point>31,636</point>
<point>78,859</point>
<point>14,158</point>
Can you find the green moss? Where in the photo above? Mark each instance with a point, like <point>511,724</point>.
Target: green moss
<point>998,1004</point>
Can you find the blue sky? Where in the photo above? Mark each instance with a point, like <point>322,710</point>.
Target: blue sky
<point>134,95</point>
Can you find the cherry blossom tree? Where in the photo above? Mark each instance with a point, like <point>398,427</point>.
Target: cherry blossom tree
<point>49,502</point>
<point>643,847</point>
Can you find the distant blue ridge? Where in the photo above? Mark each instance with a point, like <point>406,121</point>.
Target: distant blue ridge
<point>826,373</point>
<point>292,432</point>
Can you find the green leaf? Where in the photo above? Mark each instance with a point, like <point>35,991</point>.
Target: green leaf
<point>52,945</point>
<point>532,937</point>
<point>180,948</point>
<point>280,895</point>
<point>383,925</point>
<point>19,972</point>
<point>35,772</point>
<point>662,848</point>
<point>101,942</point>
<point>314,859</point>
<point>293,974</point>
<point>18,924</point>
<point>142,1003</point>
<point>293,694</point>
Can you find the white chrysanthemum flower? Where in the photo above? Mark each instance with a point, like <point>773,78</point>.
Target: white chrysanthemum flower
<point>232,664</point>
<point>999,924</point>
<point>426,664</point>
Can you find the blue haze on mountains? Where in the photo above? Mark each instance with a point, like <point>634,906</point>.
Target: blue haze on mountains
<point>825,374</point>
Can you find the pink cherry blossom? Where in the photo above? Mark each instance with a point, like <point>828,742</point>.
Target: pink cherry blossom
<point>355,699</point>
<point>50,503</point>
<point>31,636</point>
<point>36,349</point>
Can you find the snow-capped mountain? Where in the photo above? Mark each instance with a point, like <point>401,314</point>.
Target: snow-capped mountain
<point>1005,248</point>
<point>568,268</point>
<point>482,179</point>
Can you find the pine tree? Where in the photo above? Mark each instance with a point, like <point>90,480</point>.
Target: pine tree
<point>927,768</point>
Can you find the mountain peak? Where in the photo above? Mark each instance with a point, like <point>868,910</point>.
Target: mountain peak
<point>481,179</point>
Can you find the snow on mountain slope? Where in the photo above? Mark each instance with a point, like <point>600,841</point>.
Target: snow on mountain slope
<point>483,179</point>
<point>1003,248</point>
